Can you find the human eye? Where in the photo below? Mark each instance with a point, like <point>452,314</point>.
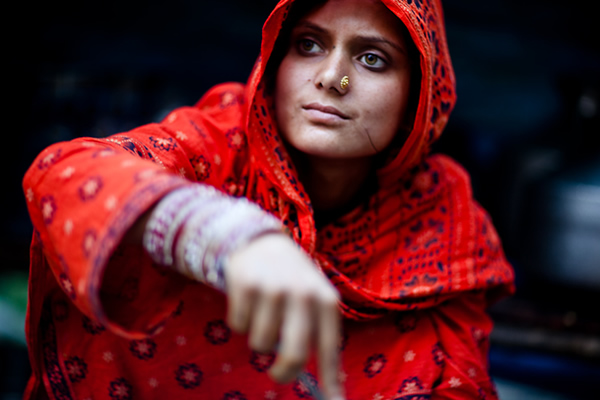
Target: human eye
<point>308,46</point>
<point>373,61</point>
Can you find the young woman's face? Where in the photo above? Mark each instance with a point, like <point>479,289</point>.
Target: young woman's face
<point>355,38</point>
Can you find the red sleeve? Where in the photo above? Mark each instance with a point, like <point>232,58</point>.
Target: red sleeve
<point>84,195</point>
<point>463,328</point>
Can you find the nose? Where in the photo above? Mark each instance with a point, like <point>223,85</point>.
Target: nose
<point>334,67</point>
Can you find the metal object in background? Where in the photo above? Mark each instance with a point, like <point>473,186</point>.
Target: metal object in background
<point>564,233</point>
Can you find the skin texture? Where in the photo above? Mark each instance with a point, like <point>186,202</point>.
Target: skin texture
<point>276,293</point>
<point>354,38</point>
<point>334,133</point>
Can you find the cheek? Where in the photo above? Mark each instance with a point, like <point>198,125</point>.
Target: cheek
<point>386,112</point>
<point>281,97</point>
<point>287,76</point>
<point>284,86</point>
<point>395,97</point>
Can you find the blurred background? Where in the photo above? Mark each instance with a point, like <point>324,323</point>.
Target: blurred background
<point>525,127</point>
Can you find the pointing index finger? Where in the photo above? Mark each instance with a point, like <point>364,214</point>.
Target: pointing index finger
<point>328,336</point>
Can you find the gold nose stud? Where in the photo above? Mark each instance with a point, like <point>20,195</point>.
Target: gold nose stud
<point>345,82</point>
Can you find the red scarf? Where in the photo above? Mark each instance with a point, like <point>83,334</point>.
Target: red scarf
<point>422,238</point>
<point>421,255</point>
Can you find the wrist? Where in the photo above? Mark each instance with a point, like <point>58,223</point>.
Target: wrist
<point>196,229</point>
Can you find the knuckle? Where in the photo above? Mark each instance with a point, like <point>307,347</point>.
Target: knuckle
<point>236,321</point>
<point>260,344</point>
<point>328,298</point>
<point>287,367</point>
<point>303,295</point>
<point>243,290</point>
<point>272,293</point>
<point>301,291</point>
<point>292,362</point>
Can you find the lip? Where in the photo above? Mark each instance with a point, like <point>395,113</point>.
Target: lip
<point>325,109</point>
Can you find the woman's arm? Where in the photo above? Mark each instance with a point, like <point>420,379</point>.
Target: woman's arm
<point>83,196</point>
<point>91,199</point>
<point>275,291</point>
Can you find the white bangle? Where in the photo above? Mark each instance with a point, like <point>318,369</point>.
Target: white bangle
<point>196,228</point>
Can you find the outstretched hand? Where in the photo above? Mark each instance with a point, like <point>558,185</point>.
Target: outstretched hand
<point>277,295</point>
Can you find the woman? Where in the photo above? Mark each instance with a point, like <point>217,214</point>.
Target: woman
<point>330,139</point>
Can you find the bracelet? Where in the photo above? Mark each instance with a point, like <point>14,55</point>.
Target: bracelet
<point>161,223</point>
<point>196,228</point>
<point>246,222</point>
<point>193,241</point>
<point>212,234</point>
<point>168,217</point>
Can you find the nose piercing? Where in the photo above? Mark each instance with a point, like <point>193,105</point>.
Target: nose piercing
<point>345,82</point>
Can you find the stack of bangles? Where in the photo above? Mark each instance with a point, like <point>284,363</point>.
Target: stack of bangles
<point>195,228</point>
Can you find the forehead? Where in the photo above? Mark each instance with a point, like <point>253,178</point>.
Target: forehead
<point>360,16</point>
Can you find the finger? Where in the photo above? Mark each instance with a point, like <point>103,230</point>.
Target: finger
<point>240,302</point>
<point>265,323</point>
<point>328,336</point>
<point>295,340</point>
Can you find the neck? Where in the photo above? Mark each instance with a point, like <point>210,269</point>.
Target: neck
<point>334,186</point>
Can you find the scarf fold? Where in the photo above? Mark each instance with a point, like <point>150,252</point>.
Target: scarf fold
<point>422,239</point>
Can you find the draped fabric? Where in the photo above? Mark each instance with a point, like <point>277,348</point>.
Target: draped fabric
<point>416,265</point>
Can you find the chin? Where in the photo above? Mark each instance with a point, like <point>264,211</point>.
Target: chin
<point>325,144</point>
<point>330,152</point>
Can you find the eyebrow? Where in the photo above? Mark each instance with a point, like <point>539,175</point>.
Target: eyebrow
<point>367,38</point>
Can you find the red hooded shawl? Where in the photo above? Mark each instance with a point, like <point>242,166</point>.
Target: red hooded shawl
<point>415,267</point>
